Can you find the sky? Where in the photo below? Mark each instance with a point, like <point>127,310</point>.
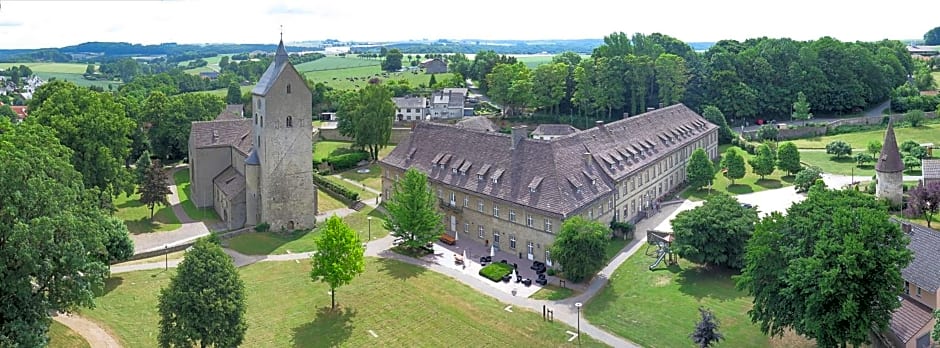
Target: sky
<point>56,23</point>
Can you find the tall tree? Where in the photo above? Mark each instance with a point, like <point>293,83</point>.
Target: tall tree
<point>932,37</point>
<point>367,117</point>
<point>169,131</point>
<point>801,108</point>
<point>813,270</point>
<point>155,187</point>
<point>701,170</point>
<point>234,94</point>
<point>549,85</point>
<point>412,211</point>
<point>97,130</point>
<point>141,167</point>
<point>714,115</point>
<point>788,158</point>
<point>7,112</point>
<point>838,148</point>
<point>392,60</point>
<point>706,331</point>
<point>732,164</point>
<point>763,162</point>
<point>579,247</point>
<point>339,257</point>
<point>924,201</point>
<point>511,86</point>
<point>205,302</point>
<point>874,147</point>
<point>715,233</point>
<point>54,242</point>
<point>671,77</point>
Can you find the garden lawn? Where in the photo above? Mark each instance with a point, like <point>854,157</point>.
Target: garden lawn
<point>336,63</point>
<point>326,203</point>
<point>749,183</point>
<point>927,133</point>
<point>364,194</point>
<point>614,246</point>
<point>324,149</point>
<point>660,308</point>
<point>61,336</point>
<point>206,215</point>
<point>136,215</point>
<point>830,164</point>
<point>372,179</point>
<point>404,305</point>
<point>159,258</point>
<point>552,293</point>
<point>265,243</point>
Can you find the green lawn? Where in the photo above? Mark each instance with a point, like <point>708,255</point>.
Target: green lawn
<point>61,336</point>
<point>136,215</point>
<point>749,183</point>
<point>928,133</point>
<point>336,63</point>
<point>404,305</point>
<point>70,68</point>
<point>832,165</point>
<point>265,243</point>
<point>324,149</point>
<point>325,202</point>
<point>335,75</point>
<point>372,179</point>
<point>614,246</point>
<point>159,258</point>
<point>552,293</point>
<point>206,215</point>
<point>78,79</point>
<point>363,193</point>
<point>660,308</point>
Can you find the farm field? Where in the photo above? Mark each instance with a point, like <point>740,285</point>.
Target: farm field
<point>927,133</point>
<point>335,63</point>
<point>394,300</point>
<point>63,71</point>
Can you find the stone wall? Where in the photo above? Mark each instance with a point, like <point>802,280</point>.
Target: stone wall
<point>332,134</point>
<point>806,132</point>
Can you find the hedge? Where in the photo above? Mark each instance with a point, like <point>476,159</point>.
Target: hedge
<point>347,160</point>
<point>335,188</point>
<point>496,271</point>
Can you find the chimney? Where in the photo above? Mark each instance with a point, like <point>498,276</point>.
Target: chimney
<point>906,227</point>
<point>599,124</point>
<point>518,133</point>
<point>587,159</point>
<point>626,115</point>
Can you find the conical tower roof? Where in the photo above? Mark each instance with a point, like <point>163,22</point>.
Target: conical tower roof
<point>890,159</point>
<point>280,56</point>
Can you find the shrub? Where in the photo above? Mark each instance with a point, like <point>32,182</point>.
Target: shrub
<point>550,272</point>
<point>838,148</point>
<point>914,117</point>
<point>262,227</point>
<point>806,178</point>
<point>335,188</point>
<point>347,160</point>
<point>496,271</point>
<point>907,145</point>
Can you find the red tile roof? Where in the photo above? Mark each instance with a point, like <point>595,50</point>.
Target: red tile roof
<point>908,319</point>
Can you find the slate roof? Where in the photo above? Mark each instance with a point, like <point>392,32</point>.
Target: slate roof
<point>230,181</point>
<point>274,70</point>
<point>908,319</point>
<point>924,270</point>
<point>220,133</point>
<point>253,159</point>
<point>554,129</point>
<point>890,159</point>
<point>410,102</point>
<point>231,112</point>
<point>435,148</point>
<point>479,123</point>
<point>453,97</point>
<point>930,168</point>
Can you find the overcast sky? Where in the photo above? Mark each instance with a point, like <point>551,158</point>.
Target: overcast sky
<point>54,23</point>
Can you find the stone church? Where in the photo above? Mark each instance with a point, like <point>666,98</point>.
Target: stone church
<point>258,170</point>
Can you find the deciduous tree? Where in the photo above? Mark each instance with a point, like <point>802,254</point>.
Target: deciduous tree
<point>7,112</point>
<point>914,117</point>
<point>706,331</point>
<point>701,171</point>
<point>768,132</point>
<point>392,60</point>
<point>715,233</point>
<point>548,85</point>
<point>155,188</point>
<point>671,77</point>
<point>714,115</point>
<point>788,158</point>
<point>874,147</point>
<point>813,271</point>
<point>932,37</point>
<point>579,247</point>
<point>234,94</point>
<point>367,117</point>
<point>510,85</point>
<point>806,178</point>
<point>732,164</point>
<point>924,200</point>
<point>339,257</point>
<point>861,158</point>
<point>763,162</point>
<point>839,148</point>
<point>205,302</point>
<point>412,215</point>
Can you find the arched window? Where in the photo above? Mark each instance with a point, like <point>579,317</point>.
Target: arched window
<point>290,122</point>
<point>262,121</point>
<point>288,91</point>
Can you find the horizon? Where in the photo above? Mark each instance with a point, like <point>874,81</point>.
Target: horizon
<point>25,24</point>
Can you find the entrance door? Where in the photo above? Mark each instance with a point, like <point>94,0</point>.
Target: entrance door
<point>496,240</point>
<point>548,258</point>
<point>529,249</point>
<point>453,224</point>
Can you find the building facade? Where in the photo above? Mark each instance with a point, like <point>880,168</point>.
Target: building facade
<point>448,103</point>
<point>257,170</point>
<point>912,323</point>
<point>930,169</point>
<point>433,66</point>
<point>514,192</point>
<point>411,108</point>
<point>889,170</point>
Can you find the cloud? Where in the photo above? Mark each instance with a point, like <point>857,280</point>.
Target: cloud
<point>284,9</point>
<point>10,24</point>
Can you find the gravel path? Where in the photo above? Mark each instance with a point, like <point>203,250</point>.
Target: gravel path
<point>94,334</point>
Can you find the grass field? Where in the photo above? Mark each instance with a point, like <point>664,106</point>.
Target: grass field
<point>929,133</point>
<point>532,61</point>
<point>363,193</point>
<point>325,202</point>
<point>749,183</point>
<point>78,79</point>
<point>844,165</point>
<point>265,243</point>
<point>404,305</point>
<point>63,71</point>
<point>660,308</point>
<point>136,215</point>
<point>552,293</point>
<point>336,63</point>
<point>336,71</point>
<point>372,179</point>
<point>206,215</point>
<point>160,258</point>
<point>324,149</point>
<point>61,336</point>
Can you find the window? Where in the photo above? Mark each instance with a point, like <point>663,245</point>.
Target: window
<point>453,198</point>
<point>288,91</point>
<point>290,121</point>
<point>907,288</point>
<point>528,220</point>
<point>453,170</point>
<point>495,210</point>
<point>530,248</point>
<point>512,215</point>
<point>512,242</point>
<point>466,227</point>
<point>918,291</point>
<point>440,193</point>
<point>548,258</point>
<point>548,225</point>
<point>495,179</point>
<point>495,238</point>
<point>480,205</point>
<point>262,121</point>
<point>466,201</point>
<point>481,231</point>
<point>590,214</point>
<point>479,177</point>
<point>610,204</point>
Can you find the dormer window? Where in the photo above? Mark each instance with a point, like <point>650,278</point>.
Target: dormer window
<point>479,177</point>
<point>495,180</point>
<point>290,120</point>
<point>454,170</point>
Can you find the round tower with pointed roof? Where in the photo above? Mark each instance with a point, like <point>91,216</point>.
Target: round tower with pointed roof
<point>889,170</point>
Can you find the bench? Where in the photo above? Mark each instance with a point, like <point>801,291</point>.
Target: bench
<point>447,239</point>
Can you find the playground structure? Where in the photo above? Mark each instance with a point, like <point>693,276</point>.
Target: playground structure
<point>662,241</point>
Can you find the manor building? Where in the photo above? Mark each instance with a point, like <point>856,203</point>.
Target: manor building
<point>257,170</point>
<point>513,192</point>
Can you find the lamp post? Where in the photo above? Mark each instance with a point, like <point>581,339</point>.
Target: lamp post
<point>370,227</point>
<point>166,257</point>
<point>579,321</point>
